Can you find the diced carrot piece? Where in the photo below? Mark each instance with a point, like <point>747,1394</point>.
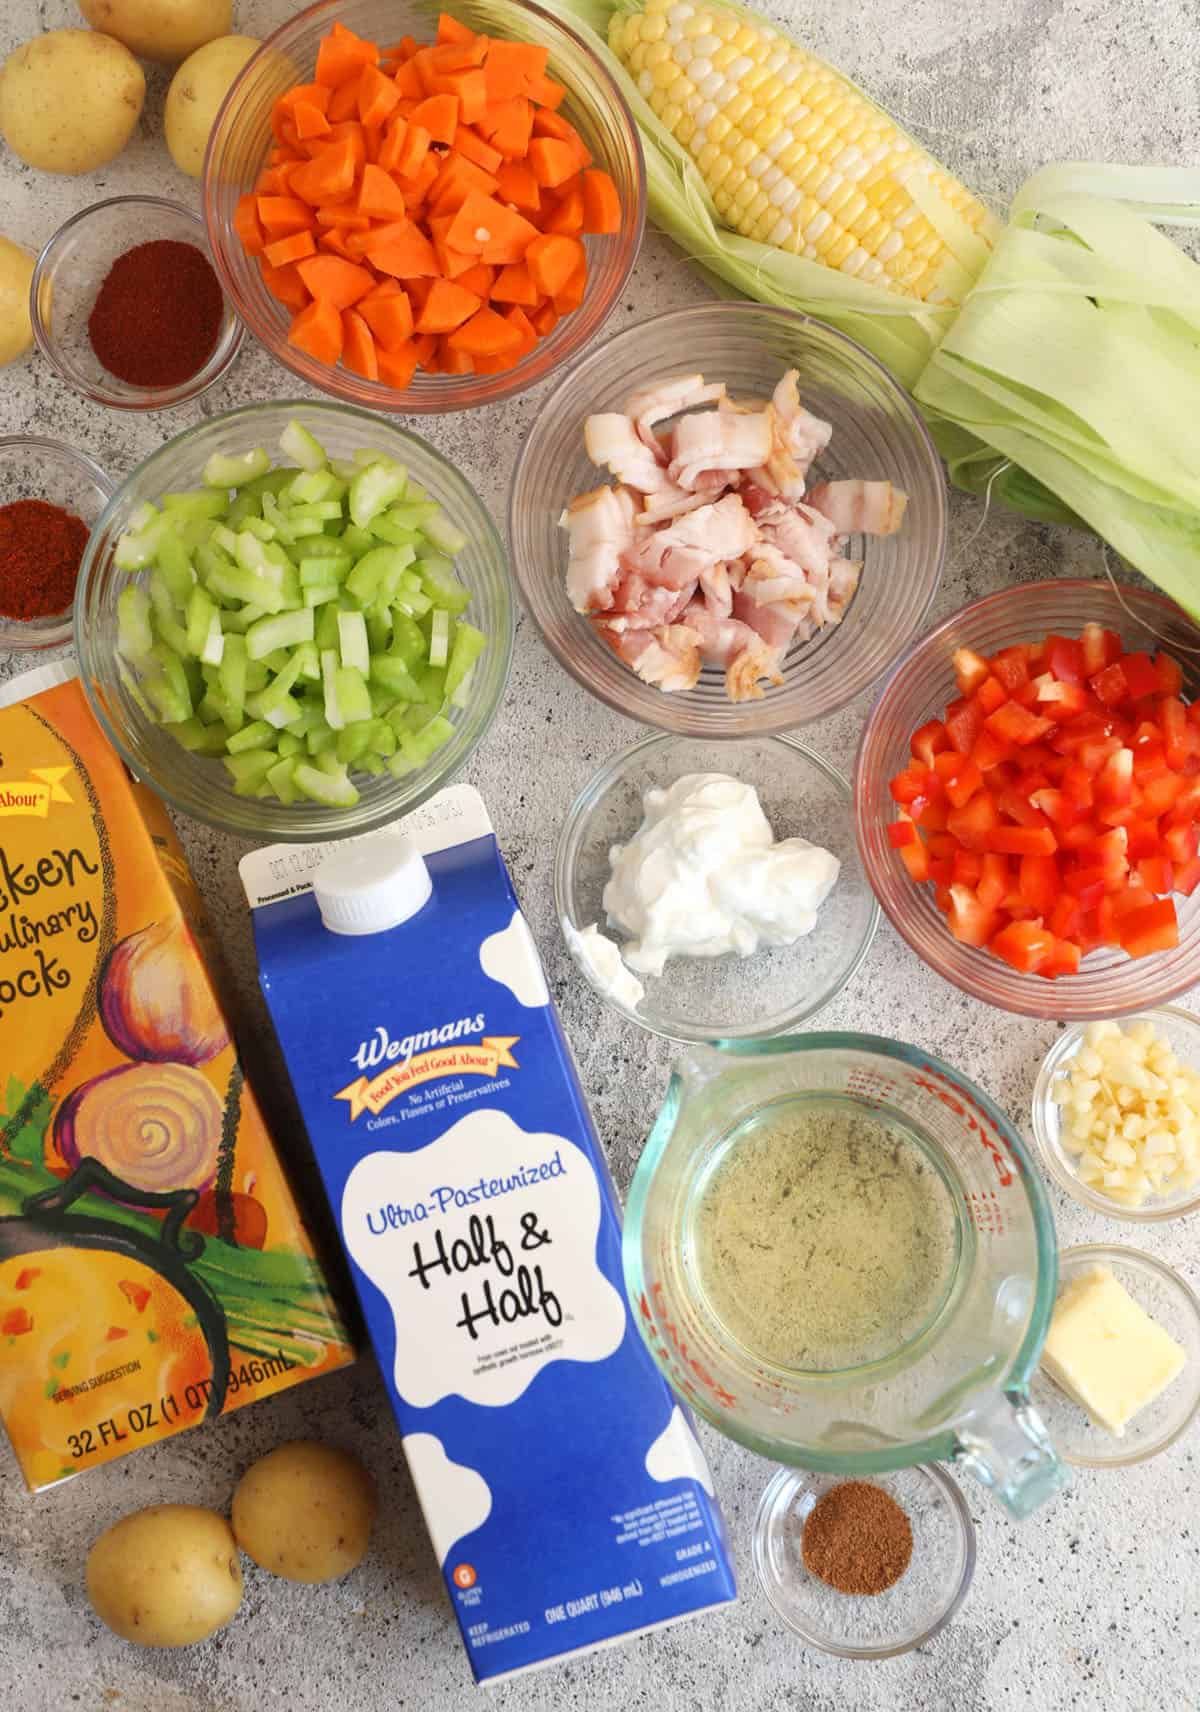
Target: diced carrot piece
<point>515,285</point>
<point>280,216</point>
<point>545,319</point>
<point>516,184</point>
<point>452,362</point>
<point>601,204</point>
<point>343,101</point>
<point>318,331</point>
<point>336,241</point>
<point>546,92</point>
<point>450,30</point>
<point>566,215</point>
<point>472,146</point>
<point>454,183</point>
<point>377,96</point>
<point>290,249</point>
<point>418,295</point>
<point>486,228</point>
<point>391,149</point>
<point>352,132</point>
<point>439,115</point>
<point>516,317</point>
<point>417,188</point>
<point>270,182</point>
<point>307,95</point>
<point>358,347</point>
<point>379,196</point>
<point>373,142</point>
<point>330,175</point>
<point>446,307</point>
<point>479,278</point>
<point>452,262</point>
<point>343,215</point>
<point>396,368</point>
<point>412,156</point>
<point>511,66</point>
<point>552,261</point>
<point>573,293</point>
<point>486,334</point>
<point>310,121</point>
<point>285,284</point>
<point>551,161</point>
<point>338,282</point>
<point>425,345</point>
<point>390,318</point>
<point>341,54</point>
<point>408,82</point>
<point>549,124</point>
<point>247,227</point>
<point>508,126</point>
<point>407,256</point>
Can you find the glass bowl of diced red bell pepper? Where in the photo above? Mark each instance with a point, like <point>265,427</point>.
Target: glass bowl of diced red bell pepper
<point>424,213</point>
<point>1027,792</point>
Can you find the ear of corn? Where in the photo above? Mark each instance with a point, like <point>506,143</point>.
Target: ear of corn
<point>795,156</point>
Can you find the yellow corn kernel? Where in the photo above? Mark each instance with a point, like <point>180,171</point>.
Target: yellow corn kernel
<point>839,250</point>
<point>654,26</point>
<point>767,129</point>
<point>722,199</point>
<point>637,58</point>
<point>685,129</point>
<point>746,151</point>
<point>735,111</point>
<point>657,53</point>
<point>719,172</point>
<point>665,74</point>
<point>670,115</point>
<point>723,57</point>
<point>707,159</point>
<point>718,128</point>
<point>734,179</point>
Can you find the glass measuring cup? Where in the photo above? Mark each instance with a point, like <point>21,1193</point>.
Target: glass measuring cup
<point>956,1388</point>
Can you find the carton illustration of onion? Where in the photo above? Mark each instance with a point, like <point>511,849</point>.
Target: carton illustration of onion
<point>157,1126</point>
<point>156,1003</point>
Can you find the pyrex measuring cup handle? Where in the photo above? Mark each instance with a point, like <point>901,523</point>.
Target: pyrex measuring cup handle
<point>1004,1444</point>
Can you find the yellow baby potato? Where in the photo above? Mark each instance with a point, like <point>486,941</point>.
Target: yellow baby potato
<point>69,100</point>
<point>197,91</point>
<point>167,1576</point>
<point>16,271</point>
<point>304,1511</point>
<point>162,30</point>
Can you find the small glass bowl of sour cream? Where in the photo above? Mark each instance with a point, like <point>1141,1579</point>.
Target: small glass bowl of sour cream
<point>774,988</point>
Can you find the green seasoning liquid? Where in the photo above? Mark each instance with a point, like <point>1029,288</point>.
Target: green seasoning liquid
<point>824,1237</point>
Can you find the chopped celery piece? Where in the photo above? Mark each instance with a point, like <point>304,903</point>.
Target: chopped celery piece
<point>445,536</point>
<point>379,629</point>
<point>439,638</point>
<point>226,539</point>
<point>251,766</point>
<point>352,642</point>
<point>286,630</point>
<point>329,671</point>
<point>259,527</point>
<point>276,707</point>
<point>274,482</point>
<point>213,650</point>
<point>468,645</point>
<point>417,747</point>
<point>257,735</point>
<point>201,610</point>
<point>322,738</point>
<point>392,675</point>
<point>171,707</point>
<point>297,443</point>
<point>282,780</point>
<point>374,489</point>
<point>392,529</point>
<point>461,697</point>
<point>353,741</point>
<point>289,744</point>
<point>441,584</point>
<point>222,471</point>
<point>312,486</point>
<point>134,636</point>
<point>364,580</point>
<point>408,644</point>
<point>321,594</point>
<point>232,676</point>
<point>308,662</point>
<point>196,504</point>
<point>246,587</point>
<point>353,697</point>
<point>172,633</point>
<point>175,565</point>
<point>317,573</point>
<point>198,738</point>
<point>333,789</point>
<point>326,635</point>
<point>137,548</point>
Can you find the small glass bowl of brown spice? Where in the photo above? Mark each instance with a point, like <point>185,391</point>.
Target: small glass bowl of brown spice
<point>865,1569</point>
<point>50,498</point>
<point>127,307</point>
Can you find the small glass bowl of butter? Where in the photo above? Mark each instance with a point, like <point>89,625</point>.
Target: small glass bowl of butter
<point>1111,1365</point>
<point>1179,1031</point>
<point>772,989</point>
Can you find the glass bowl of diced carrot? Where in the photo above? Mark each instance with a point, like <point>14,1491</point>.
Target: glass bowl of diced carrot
<point>422,211</point>
<point>1027,794</point>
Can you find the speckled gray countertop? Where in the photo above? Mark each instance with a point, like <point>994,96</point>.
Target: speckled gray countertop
<point>1094,1602</point>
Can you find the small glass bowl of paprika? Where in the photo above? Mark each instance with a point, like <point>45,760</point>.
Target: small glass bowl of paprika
<point>127,307</point>
<point>50,497</point>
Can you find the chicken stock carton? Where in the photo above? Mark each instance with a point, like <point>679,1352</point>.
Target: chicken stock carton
<point>155,1271</point>
<point>565,1493</point>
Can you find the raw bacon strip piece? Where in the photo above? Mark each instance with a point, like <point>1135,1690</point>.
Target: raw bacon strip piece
<point>612,440</point>
<point>667,656</point>
<point>860,507</point>
<point>718,440</point>
<point>600,527</point>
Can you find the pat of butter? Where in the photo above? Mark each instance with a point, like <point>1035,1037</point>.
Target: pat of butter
<point>1106,1352</point>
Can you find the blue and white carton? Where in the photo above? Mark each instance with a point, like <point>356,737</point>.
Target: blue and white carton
<point>566,1495</point>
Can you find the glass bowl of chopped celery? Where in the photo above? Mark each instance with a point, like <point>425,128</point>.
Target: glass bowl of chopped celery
<point>1116,1114</point>
<point>294,621</point>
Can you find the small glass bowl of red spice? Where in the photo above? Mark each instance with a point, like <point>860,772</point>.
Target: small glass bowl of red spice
<point>864,1569</point>
<point>50,497</point>
<point>127,307</point>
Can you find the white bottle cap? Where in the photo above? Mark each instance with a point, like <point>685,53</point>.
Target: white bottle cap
<point>372,886</point>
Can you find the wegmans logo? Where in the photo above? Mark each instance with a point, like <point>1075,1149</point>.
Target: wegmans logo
<point>423,1057</point>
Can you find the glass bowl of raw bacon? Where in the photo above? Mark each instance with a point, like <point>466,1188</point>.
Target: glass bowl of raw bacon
<point>1027,796</point>
<point>728,521</point>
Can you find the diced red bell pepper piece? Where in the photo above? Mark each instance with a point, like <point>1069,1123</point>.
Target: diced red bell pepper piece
<point>1018,806</point>
<point>1023,944</point>
<point>915,856</point>
<point>1157,874</point>
<point>1144,839</point>
<point>1180,843</point>
<point>960,776</point>
<point>1038,883</point>
<point>989,752</point>
<point>929,740</point>
<point>966,867</point>
<point>1015,724</point>
<point>1140,676</point>
<point>1111,685</point>
<point>1155,927</point>
<point>901,832</point>
<point>974,824</point>
<point>995,879</point>
<point>1114,782</point>
<point>990,695</point>
<point>1064,959</point>
<point>1187,877</point>
<point>1168,675</point>
<point>1021,841</point>
<point>964,722</point>
<point>930,812</point>
<point>1061,701</point>
<point>1064,917</point>
<point>1064,657</point>
<point>1100,648</point>
<point>1076,785</point>
<point>1156,796</point>
<point>1057,807</point>
<point>970,921</point>
<point>970,669</point>
<point>1094,754</point>
<point>1110,850</point>
<point>1011,667</point>
<point>1172,719</point>
<point>911,783</point>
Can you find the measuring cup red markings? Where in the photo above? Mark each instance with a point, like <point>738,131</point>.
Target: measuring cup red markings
<point>958,1102</point>
<point>657,1324</point>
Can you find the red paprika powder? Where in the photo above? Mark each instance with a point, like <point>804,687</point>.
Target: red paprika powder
<point>40,549</point>
<point>157,316</point>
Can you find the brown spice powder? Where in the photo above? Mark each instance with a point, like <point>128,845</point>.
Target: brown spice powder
<point>857,1538</point>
